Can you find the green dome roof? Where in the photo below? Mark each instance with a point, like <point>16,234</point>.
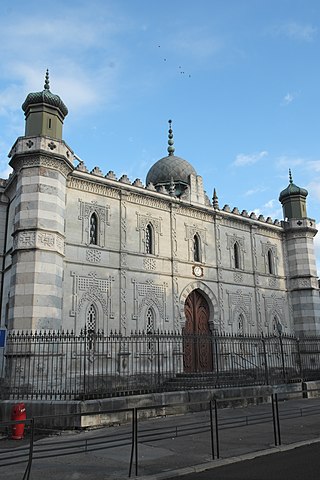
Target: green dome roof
<point>292,189</point>
<point>45,97</point>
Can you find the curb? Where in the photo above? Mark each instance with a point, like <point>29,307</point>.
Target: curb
<point>226,461</point>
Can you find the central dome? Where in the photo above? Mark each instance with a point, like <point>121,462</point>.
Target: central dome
<point>170,168</point>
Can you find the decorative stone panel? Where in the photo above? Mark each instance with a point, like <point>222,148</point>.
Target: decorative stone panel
<point>265,248</point>
<point>231,240</point>
<point>148,294</point>
<point>142,222</point>
<point>39,239</point>
<point>191,231</point>
<point>240,304</point>
<point>102,212</point>
<point>149,264</point>
<point>93,255</point>
<point>92,289</point>
<point>274,307</point>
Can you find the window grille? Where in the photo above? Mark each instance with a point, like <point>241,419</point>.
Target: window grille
<point>270,262</point>
<point>93,229</point>
<point>196,249</point>
<point>240,324</point>
<point>149,239</point>
<point>91,324</point>
<point>236,254</point>
<point>150,326</point>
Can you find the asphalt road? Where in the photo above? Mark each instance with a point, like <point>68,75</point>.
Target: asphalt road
<point>296,464</point>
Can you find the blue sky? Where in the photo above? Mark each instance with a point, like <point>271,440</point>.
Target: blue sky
<point>239,79</point>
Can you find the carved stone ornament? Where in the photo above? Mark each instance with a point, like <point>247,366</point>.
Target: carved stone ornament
<point>52,145</point>
<point>93,187</point>
<point>149,264</point>
<point>149,294</point>
<point>240,304</point>
<point>40,240</point>
<point>156,223</point>
<point>93,255</point>
<point>274,307</point>
<point>42,161</point>
<point>91,289</point>
<point>102,213</point>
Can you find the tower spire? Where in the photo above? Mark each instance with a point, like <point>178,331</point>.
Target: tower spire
<point>215,202</point>
<point>46,81</point>
<point>170,139</point>
<point>290,176</point>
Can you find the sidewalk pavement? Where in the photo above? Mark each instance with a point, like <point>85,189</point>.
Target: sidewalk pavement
<point>168,446</point>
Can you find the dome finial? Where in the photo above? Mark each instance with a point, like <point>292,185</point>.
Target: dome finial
<point>46,82</point>
<point>290,176</point>
<point>170,139</point>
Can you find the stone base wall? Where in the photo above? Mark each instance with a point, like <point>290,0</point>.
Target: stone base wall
<point>96,413</point>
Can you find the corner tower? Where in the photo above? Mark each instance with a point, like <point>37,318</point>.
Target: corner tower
<point>44,112</point>
<point>41,163</point>
<point>299,232</point>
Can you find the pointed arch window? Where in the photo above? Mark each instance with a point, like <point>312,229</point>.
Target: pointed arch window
<point>196,248</point>
<point>150,320</point>
<point>236,255</point>
<point>91,324</point>
<point>94,229</point>
<point>150,325</point>
<point>270,262</point>
<point>277,327</point>
<point>149,239</point>
<point>241,324</point>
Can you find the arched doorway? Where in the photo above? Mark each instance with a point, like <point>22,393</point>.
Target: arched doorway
<point>197,338</point>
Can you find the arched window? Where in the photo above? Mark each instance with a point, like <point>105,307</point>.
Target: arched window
<point>149,239</point>
<point>150,320</point>
<point>236,255</point>
<point>150,325</point>
<point>91,318</point>
<point>270,262</point>
<point>93,229</point>
<point>91,324</point>
<point>196,248</point>
<point>241,324</point>
<point>277,327</point>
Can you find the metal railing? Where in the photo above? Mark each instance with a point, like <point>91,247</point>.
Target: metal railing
<point>64,365</point>
<point>208,419</point>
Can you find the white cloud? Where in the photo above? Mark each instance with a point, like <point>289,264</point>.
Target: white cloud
<point>249,159</point>
<point>287,99</point>
<point>284,161</point>
<point>314,188</point>
<point>314,165</point>
<point>270,204</point>
<point>80,48</point>
<point>254,191</point>
<point>296,31</point>
<point>270,209</point>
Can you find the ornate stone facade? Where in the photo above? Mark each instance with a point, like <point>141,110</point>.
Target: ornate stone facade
<point>79,242</point>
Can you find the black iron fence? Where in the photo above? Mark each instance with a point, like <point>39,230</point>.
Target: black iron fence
<point>64,365</point>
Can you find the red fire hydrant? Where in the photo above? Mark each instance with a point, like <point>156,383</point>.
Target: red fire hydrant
<point>18,412</point>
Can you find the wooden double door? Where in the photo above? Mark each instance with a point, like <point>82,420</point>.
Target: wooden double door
<point>197,338</point>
